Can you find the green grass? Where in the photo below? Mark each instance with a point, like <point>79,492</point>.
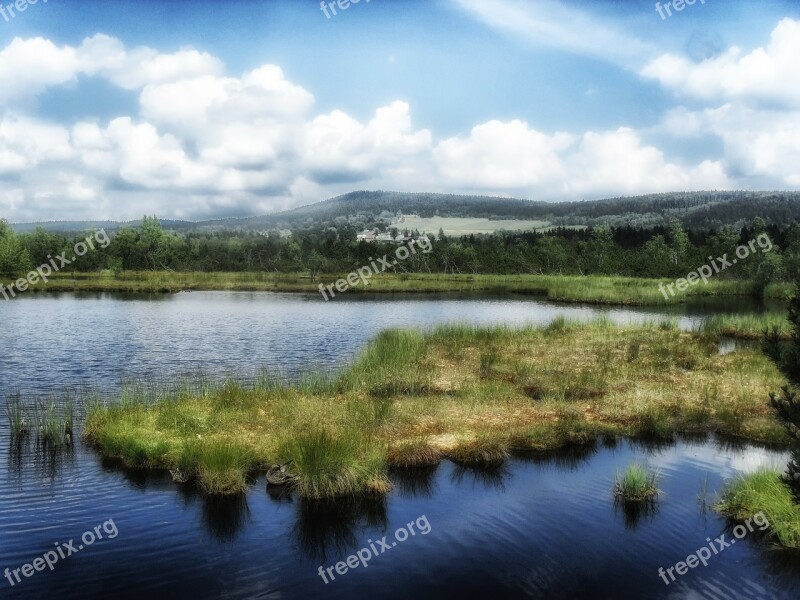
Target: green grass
<point>221,465</point>
<point>335,464</point>
<point>636,484</point>
<point>563,288</point>
<point>764,492</point>
<point>468,393</point>
<point>747,326</point>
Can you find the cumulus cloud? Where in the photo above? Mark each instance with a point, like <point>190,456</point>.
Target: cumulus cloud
<point>499,155</point>
<point>762,144</point>
<point>187,105</point>
<point>769,75</point>
<point>337,147</point>
<point>618,162</point>
<point>755,105</point>
<point>512,156</point>
<point>30,66</point>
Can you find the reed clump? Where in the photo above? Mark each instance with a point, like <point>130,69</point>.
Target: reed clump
<point>636,484</point>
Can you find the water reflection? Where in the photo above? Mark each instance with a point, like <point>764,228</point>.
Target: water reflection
<point>633,513</point>
<point>42,460</point>
<point>486,477</point>
<point>329,527</point>
<point>419,482</point>
<point>571,457</point>
<point>225,516</point>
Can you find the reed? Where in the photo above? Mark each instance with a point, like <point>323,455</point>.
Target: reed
<point>18,424</point>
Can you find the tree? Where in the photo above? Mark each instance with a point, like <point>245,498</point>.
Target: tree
<point>679,244</point>
<point>786,357</point>
<point>14,258</point>
<point>316,263</point>
<point>602,250</point>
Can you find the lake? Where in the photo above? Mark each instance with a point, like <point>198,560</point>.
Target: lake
<point>542,526</point>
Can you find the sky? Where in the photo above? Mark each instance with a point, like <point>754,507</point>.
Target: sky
<point>207,109</point>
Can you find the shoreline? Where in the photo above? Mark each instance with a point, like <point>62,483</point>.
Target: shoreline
<point>597,290</point>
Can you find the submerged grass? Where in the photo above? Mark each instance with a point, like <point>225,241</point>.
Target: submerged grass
<point>764,492</point>
<point>636,484</point>
<point>50,422</point>
<point>465,392</point>
<point>17,422</point>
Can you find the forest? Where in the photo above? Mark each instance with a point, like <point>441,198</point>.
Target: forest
<point>663,251</point>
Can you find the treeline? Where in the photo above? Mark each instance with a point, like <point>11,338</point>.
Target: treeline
<point>669,251</point>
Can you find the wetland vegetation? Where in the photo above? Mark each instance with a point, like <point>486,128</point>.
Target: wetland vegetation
<point>471,394</point>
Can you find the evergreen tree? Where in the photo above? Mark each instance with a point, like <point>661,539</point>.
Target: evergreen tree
<point>786,357</point>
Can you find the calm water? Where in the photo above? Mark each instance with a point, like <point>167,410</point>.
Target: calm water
<point>50,342</point>
<point>544,527</point>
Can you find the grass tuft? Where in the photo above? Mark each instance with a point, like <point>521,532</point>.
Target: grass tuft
<point>764,492</point>
<point>222,466</point>
<point>412,454</point>
<point>330,465</point>
<point>480,452</point>
<point>636,484</point>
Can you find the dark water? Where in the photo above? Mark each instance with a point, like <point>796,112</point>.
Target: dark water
<point>541,527</point>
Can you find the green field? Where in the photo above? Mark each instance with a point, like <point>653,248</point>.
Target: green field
<point>457,227</point>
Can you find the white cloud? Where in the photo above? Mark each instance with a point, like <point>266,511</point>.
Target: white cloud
<point>618,162</point>
<point>26,143</point>
<point>187,105</point>
<point>30,66</point>
<point>758,143</point>
<point>511,156</point>
<point>337,147</point>
<point>500,155</point>
<point>769,75</point>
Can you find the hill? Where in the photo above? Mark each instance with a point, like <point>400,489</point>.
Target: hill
<point>696,210</point>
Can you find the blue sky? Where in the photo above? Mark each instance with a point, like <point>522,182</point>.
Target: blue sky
<point>204,109</point>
